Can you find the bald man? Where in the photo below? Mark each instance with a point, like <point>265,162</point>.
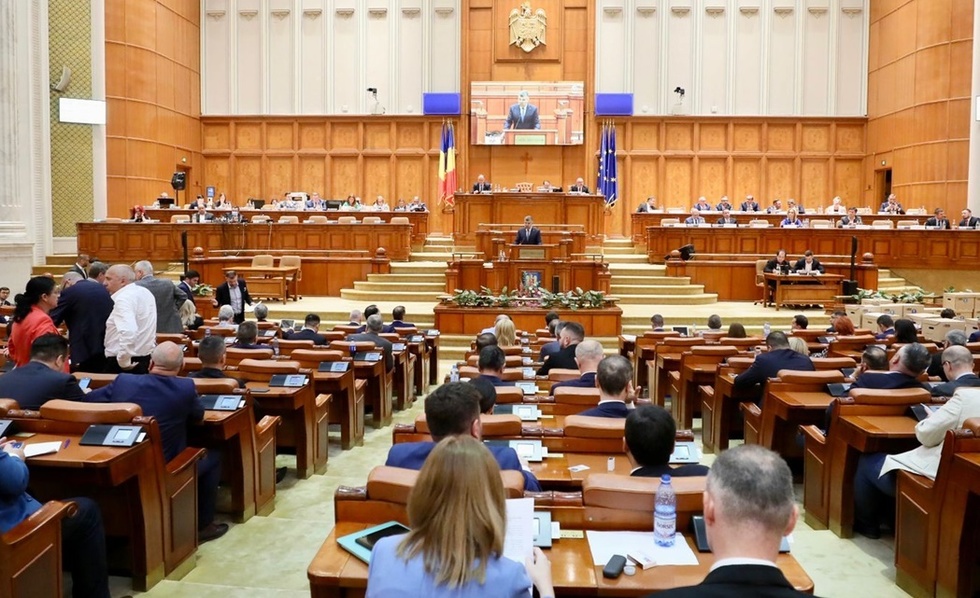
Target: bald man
<point>588,354</point>
<point>131,330</point>
<point>579,186</point>
<point>173,402</point>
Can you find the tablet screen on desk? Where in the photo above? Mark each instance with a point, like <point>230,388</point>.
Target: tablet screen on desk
<point>371,539</point>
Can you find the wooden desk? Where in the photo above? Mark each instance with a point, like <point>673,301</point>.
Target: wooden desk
<point>422,370</point>
<point>468,273</point>
<point>791,289</point>
<point>660,369</point>
<point>472,210</point>
<point>404,378</point>
<point>345,408</point>
<point>958,545</point>
<point>684,404</point>
<point>269,282</point>
<point>491,239</point>
<point>850,436</point>
<point>719,416</point>
<point>784,411</point>
<point>297,408</point>
<point>232,433</point>
<point>335,573</point>
<point>377,390</point>
<point>122,480</point>
<point>553,472</point>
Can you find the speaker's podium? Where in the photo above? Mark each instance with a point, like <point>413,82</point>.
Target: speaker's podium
<point>530,136</point>
<point>549,266</point>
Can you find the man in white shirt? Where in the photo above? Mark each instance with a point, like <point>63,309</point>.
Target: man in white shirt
<point>748,508</point>
<point>130,331</point>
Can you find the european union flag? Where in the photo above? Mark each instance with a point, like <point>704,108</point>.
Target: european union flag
<point>606,184</point>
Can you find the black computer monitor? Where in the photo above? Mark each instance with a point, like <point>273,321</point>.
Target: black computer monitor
<point>165,202</point>
<point>258,203</point>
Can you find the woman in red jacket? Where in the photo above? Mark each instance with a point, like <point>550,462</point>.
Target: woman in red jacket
<point>31,318</point>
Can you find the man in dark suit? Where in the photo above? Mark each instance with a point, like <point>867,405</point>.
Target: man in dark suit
<point>852,219</point>
<point>202,215</point>
<point>749,205</point>
<point>550,348</point>
<point>174,403</point>
<point>84,306</point>
<point>953,338</point>
<point>748,507</point>
<point>234,292</point>
<point>778,265</point>
<point>310,331</point>
<point>523,114</point>
<point>649,439</point>
<point>808,263</point>
<point>188,281</point>
<point>886,327</point>
<point>767,365</point>
<point>398,319</point>
<point>453,409</point>
<point>891,206</point>
<point>657,322</point>
<point>491,363</point>
<point>726,217</point>
<point>967,219</point>
<point>938,219</point>
<point>529,235</point>
<point>247,336</point>
<point>614,377</point>
<point>481,185</point>
<point>957,361</point>
<point>588,354</point>
<point>211,351</point>
<point>374,326</point>
<point>572,333</point>
<point>81,266</point>
<point>647,206</point>
<point>724,204</point>
<point>904,369</point>
<point>168,297</point>
<point>43,377</point>
<point>4,297</point>
<point>579,186</point>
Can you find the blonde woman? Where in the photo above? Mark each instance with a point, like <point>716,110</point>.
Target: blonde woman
<point>505,332</point>
<point>457,515</point>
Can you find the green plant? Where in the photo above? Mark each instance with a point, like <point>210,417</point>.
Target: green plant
<point>202,290</point>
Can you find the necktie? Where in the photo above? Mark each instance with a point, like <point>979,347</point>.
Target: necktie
<point>522,113</point>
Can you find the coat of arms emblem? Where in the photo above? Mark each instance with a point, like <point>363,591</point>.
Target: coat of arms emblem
<point>527,28</point>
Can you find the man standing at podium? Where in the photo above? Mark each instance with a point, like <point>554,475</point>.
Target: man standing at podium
<point>529,235</point>
<point>579,186</point>
<point>481,185</point>
<point>523,115</point>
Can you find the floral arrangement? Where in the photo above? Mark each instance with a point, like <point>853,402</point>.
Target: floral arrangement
<point>913,297</point>
<point>531,295</point>
<point>202,290</point>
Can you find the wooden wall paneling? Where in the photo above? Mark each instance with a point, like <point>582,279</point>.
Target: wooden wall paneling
<point>248,136</point>
<point>781,137</point>
<point>344,176</point>
<point>747,180</point>
<point>814,183</point>
<point>644,180</point>
<point>678,187</point>
<point>846,181</point>
<point>409,177</point>
<point>377,177</point>
<point>279,136</point>
<point>712,179</point>
<point>277,176</point>
<point>216,173</point>
<point>312,174</point>
<point>816,138</point>
<point>216,136</point>
<point>779,181</point>
<point>344,136</point>
<point>312,136</point>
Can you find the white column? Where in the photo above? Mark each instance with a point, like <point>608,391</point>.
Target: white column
<point>973,184</point>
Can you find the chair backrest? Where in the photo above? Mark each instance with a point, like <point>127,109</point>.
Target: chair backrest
<point>760,272</point>
<point>875,396</point>
<point>290,261</point>
<point>371,220</point>
<point>179,218</point>
<point>10,405</point>
<point>90,413</point>
<point>758,224</point>
<point>821,224</point>
<point>524,187</point>
<point>882,224</point>
<point>234,355</point>
<point>261,371</point>
<point>287,347</point>
<point>683,341</point>
<point>344,346</point>
<point>585,426</point>
<point>669,221</point>
<point>510,394</point>
<point>260,218</point>
<point>906,223</point>
<point>719,351</point>
<point>576,395</point>
<point>833,363</point>
<point>289,220</point>
<point>394,484</point>
<point>214,386</point>
<point>400,220</point>
<point>562,374</point>
<point>317,220</point>
<point>311,358</point>
<point>622,502</point>
<point>675,210</point>
<point>347,220</point>
<point>30,553</point>
<point>819,377</point>
<point>262,261</point>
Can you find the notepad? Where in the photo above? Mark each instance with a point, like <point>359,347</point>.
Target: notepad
<point>604,545</point>
<point>42,448</point>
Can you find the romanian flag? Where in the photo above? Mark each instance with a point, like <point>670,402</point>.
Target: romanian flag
<point>447,165</point>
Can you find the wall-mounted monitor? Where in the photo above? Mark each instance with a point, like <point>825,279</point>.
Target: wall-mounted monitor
<point>527,112</point>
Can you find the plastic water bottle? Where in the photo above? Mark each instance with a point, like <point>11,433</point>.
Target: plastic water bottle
<point>665,513</point>
<point>207,332</point>
<point>454,374</point>
<point>353,349</point>
<point>766,329</point>
<point>275,347</point>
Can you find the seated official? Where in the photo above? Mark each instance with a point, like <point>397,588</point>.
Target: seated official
<point>529,235</point>
<point>657,323</point>
<point>43,378</point>
<point>778,264</point>
<point>874,480</point>
<point>488,394</point>
<point>905,331</point>
<point>453,409</point>
<point>958,363</point>
<point>953,338</point>
<point>749,205</point>
<point>211,351</point>
<point>649,442</point>
<point>614,378</point>
<point>588,354</point>
<point>416,205</point>
<point>702,205</point>
<point>491,364</point>
<point>173,401</point>
<point>726,217</point>
<point>457,514</point>
<point>714,323</point>
<point>572,333</point>
<point>650,205</point>
<point>695,218</point>
<point>83,549</point>
<point>736,330</point>
<point>873,359</point>
<point>776,207</point>
<point>579,186</point>
<point>792,205</point>
<point>551,347</point>
<point>968,220</point>
<point>904,370</point>
<point>247,336</point>
<point>482,185</point>
<point>851,219</point>
<point>843,326</point>
<point>800,322</point>
<point>261,312</point>
<point>484,339</point>
<point>398,319</point>
<point>791,220</point>
<point>374,327</point>
<point>496,321</point>
<point>835,207</point>
<point>891,206</point>
<point>808,263</point>
<point>748,507</point>
<point>767,365</point>
<point>310,331</point>
<point>886,327</point>
<point>724,204</point>
<point>226,317</point>
<point>938,219</point>
<point>505,332</point>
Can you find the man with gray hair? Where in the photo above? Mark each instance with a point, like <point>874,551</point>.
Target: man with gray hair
<point>131,329</point>
<point>372,333</point>
<point>588,354</point>
<point>614,378</point>
<point>904,369</point>
<point>523,114</point>
<point>748,508</point>
<point>84,305</point>
<point>97,271</point>
<point>168,298</point>
<point>172,401</point>
<point>261,312</point>
<point>954,338</point>
<point>356,318</point>
<point>958,363</point>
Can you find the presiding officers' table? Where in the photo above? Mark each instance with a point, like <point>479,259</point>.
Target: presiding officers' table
<point>798,289</point>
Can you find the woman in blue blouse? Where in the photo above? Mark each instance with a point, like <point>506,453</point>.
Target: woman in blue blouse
<point>791,220</point>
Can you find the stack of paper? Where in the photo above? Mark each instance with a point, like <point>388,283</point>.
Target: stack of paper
<point>605,544</point>
<point>42,448</point>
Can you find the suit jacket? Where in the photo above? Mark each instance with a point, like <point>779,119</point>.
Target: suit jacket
<point>936,367</point>
<point>767,365</point>
<point>774,266</point>
<point>171,400</point>
<point>885,334</point>
<point>577,189</point>
<point>34,384</point>
<point>495,380</point>
<point>395,324</point>
<point>681,471</point>
<point>644,208</point>
<point>749,206</point>
<point>940,390</point>
<point>530,120</point>
<point>801,265</point>
<point>693,220</point>
<point>586,380</point>
<point>608,409</point>
<point>732,581</point>
<point>84,307</point>
<point>223,296</point>
<point>728,220</point>
<point>196,217</point>
<point>972,222</point>
<point>168,299</point>
<point>307,335</point>
<point>703,207</point>
<point>564,358</point>
<point>722,207</point>
<point>215,373</point>
<point>383,343</point>
<point>481,187</point>
<point>79,270</point>
<point>412,455</point>
<point>933,221</point>
<point>886,380</point>
<point>528,238</point>
<point>187,289</point>
<point>846,221</point>
<point>550,348</point>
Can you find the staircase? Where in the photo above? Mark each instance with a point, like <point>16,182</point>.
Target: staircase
<point>634,281</point>
<point>423,278</point>
<point>892,284</point>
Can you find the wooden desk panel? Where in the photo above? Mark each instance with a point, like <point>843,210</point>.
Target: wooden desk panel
<point>958,545</point>
<point>472,210</point>
<point>471,274</point>
<point>127,241</point>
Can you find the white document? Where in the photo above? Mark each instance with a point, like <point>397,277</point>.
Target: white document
<point>605,544</point>
<point>519,536</point>
<point>42,448</point>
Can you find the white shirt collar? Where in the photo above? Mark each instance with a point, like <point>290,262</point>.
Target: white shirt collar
<point>735,561</point>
